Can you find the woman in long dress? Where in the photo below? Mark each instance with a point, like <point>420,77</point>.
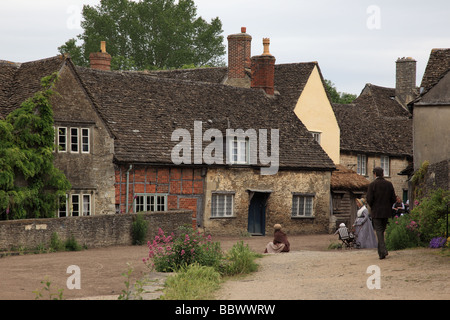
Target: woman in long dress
<point>280,242</point>
<point>363,227</point>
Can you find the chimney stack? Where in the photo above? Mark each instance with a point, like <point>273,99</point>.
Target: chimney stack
<point>405,86</point>
<point>239,53</point>
<point>263,70</point>
<point>100,60</point>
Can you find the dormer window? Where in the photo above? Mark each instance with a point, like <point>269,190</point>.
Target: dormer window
<point>317,136</point>
<point>238,151</point>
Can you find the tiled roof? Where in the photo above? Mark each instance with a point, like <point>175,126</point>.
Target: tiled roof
<point>438,66</point>
<point>143,110</point>
<point>19,82</point>
<point>375,123</point>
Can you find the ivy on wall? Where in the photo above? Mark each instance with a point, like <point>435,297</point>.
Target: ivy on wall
<point>30,185</point>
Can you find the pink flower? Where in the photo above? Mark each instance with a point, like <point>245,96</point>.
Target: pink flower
<point>182,252</point>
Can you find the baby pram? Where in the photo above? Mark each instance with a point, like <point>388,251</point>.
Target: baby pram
<point>349,239</point>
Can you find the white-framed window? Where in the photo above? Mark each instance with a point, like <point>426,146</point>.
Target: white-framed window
<point>385,165</point>
<point>150,202</point>
<point>85,140</point>
<point>317,136</point>
<point>73,139</point>
<point>75,205</point>
<point>222,204</point>
<point>86,205</point>
<point>302,205</point>
<point>74,143</point>
<point>362,164</point>
<point>62,139</point>
<point>238,151</point>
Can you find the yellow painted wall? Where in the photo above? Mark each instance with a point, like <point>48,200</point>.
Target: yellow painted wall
<point>314,110</point>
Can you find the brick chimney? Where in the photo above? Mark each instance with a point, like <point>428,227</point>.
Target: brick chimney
<point>405,86</point>
<point>239,53</point>
<point>100,60</point>
<point>263,70</point>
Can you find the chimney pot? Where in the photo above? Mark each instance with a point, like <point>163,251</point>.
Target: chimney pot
<point>103,46</point>
<point>243,30</point>
<point>266,44</point>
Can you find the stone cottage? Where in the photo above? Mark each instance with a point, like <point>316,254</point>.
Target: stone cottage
<point>376,129</point>
<point>237,156</point>
<point>432,110</point>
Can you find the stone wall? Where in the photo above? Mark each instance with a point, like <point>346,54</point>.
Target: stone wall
<point>438,176</point>
<point>282,186</point>
<point>90,173</point>
<point>89,231</point>
<point>396,165</point>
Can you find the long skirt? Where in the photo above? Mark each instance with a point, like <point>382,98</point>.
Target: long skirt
<point>274,248</point>
<point>365,235</point>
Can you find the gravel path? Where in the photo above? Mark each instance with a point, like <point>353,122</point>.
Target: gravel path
<point>304,275</point>
<point>310,271</point>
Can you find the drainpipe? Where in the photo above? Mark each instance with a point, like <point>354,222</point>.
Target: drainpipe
<point>128,184</point>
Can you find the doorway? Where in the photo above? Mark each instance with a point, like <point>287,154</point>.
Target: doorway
<point>257,213</point>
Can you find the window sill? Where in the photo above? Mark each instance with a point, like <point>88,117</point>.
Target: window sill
<point>230,217</point>
<point>301,218</point>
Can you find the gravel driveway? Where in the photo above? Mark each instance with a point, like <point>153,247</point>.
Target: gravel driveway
<point>309,271</point>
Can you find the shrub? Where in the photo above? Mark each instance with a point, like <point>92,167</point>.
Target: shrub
<point>240,260</point>
<point>431,214</point>
<point>438,242</point>
<point>55,243</point>
<point>139,229</point>
<point>168,253</point>
<point>71,244</point>
<point>401,233</point>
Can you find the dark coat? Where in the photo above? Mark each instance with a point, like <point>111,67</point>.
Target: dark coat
<point>281,237</point>
<point>380,197</point>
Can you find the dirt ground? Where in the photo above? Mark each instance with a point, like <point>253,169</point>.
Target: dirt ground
<point>309,271</point>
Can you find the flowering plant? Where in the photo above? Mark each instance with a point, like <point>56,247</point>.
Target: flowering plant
<point>437,242</point>
<point>403,233</point>
<point>169,253</point>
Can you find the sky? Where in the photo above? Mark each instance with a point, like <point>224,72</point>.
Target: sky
<point>354,41</point>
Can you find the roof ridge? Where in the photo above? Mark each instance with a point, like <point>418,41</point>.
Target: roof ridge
<point>20,64</point>
<point>167,80</point>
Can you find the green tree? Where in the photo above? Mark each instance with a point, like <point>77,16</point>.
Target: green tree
<point>148,34</point>
<point>338,97</point>
<point>30,185</point>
